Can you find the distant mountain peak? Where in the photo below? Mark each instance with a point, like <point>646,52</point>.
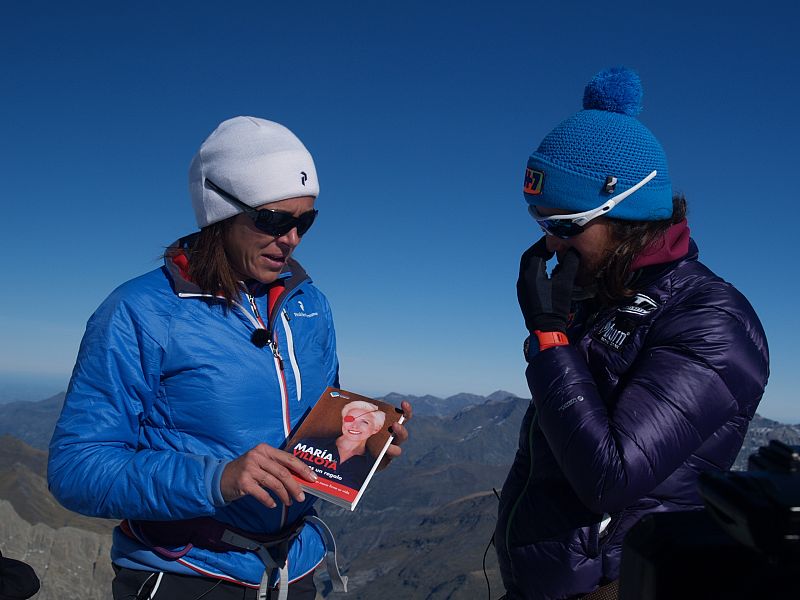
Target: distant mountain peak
<point>440,407</point>
<point>500,395</point>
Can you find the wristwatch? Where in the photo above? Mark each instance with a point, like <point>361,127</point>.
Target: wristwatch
<point>545,339</point>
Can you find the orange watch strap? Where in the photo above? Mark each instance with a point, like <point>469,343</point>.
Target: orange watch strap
<point>548,339</point>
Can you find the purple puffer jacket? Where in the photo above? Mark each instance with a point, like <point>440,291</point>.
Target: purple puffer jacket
<point>652,392</point>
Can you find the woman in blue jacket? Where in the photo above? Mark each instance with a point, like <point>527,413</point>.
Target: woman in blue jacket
<point>645,368</point>
<point>189,379</point>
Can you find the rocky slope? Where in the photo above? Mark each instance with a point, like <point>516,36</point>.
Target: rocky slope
<point>70,562</point>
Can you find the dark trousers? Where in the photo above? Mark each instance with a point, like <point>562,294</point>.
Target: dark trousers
<point>130,584</point>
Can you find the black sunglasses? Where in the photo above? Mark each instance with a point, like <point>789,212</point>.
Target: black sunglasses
<point>272,222</point>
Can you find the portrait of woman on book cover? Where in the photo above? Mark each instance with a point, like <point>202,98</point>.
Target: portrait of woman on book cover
<point>348,454</point>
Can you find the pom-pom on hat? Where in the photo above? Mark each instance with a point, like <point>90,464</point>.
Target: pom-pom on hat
<point>255,160</point>
<point>570,168</point>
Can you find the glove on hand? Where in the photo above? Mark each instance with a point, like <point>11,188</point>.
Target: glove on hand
<point>545,301</point>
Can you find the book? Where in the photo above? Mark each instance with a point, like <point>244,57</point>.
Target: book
<point>343,439</point>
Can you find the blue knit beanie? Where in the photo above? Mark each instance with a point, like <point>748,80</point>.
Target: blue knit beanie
<point>570,168</point>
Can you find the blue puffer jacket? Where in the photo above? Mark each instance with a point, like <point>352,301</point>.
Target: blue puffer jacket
<point>650,393</point>
<point>167,389</point>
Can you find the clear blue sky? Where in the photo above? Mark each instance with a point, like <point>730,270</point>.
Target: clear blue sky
<point>420,116</point>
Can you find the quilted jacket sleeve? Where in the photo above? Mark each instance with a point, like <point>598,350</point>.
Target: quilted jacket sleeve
<point>96,466</point>
<point>699,365</point>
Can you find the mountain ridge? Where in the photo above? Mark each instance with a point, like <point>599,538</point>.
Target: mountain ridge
<point>437,497</point>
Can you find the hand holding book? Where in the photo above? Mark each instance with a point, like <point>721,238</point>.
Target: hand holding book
<point>400,435</point>
<point>265,468</point>
<point>344,439</point>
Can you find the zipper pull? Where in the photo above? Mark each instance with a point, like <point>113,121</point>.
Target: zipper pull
<point>277,354</point>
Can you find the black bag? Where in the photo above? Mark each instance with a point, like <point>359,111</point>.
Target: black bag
<point>18,580</point>
<point>744,543</point>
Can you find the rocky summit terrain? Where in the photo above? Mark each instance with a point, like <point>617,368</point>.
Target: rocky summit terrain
<point>70,562</point>
<point>422,529</point>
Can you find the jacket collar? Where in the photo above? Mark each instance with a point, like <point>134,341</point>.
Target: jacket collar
<point>176,263</point>
<point>671,246</point>
<point>646,275</point>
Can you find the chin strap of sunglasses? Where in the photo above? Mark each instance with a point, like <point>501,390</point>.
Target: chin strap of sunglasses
<point>545,301</point>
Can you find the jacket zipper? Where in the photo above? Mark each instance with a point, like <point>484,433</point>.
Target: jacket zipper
<point>276,356</point>
<point>279,312</point>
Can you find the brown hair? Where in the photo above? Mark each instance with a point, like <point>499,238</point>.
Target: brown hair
<point>630,239</point>
<point>209,266</point>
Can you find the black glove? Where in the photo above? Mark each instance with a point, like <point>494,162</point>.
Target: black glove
<point>545,302</point>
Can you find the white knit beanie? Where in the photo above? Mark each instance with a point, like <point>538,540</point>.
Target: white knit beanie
<point>255,160</point>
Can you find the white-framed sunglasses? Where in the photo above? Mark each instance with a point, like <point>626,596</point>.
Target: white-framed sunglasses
<point>567,226</point>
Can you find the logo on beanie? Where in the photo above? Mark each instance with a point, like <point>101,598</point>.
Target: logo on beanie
<point>534,180</point>
<point>303,177</point>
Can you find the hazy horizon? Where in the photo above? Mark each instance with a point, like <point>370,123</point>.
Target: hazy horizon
<point>29,387</point>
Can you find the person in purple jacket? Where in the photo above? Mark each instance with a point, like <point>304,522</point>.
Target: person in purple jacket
<point>644,367</point>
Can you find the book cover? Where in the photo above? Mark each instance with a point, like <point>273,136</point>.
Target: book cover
<point>343,439</point>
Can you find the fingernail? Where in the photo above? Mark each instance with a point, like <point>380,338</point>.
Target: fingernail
<point>301,497</point>
<point>314,476</point>
<point>398,410</point>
